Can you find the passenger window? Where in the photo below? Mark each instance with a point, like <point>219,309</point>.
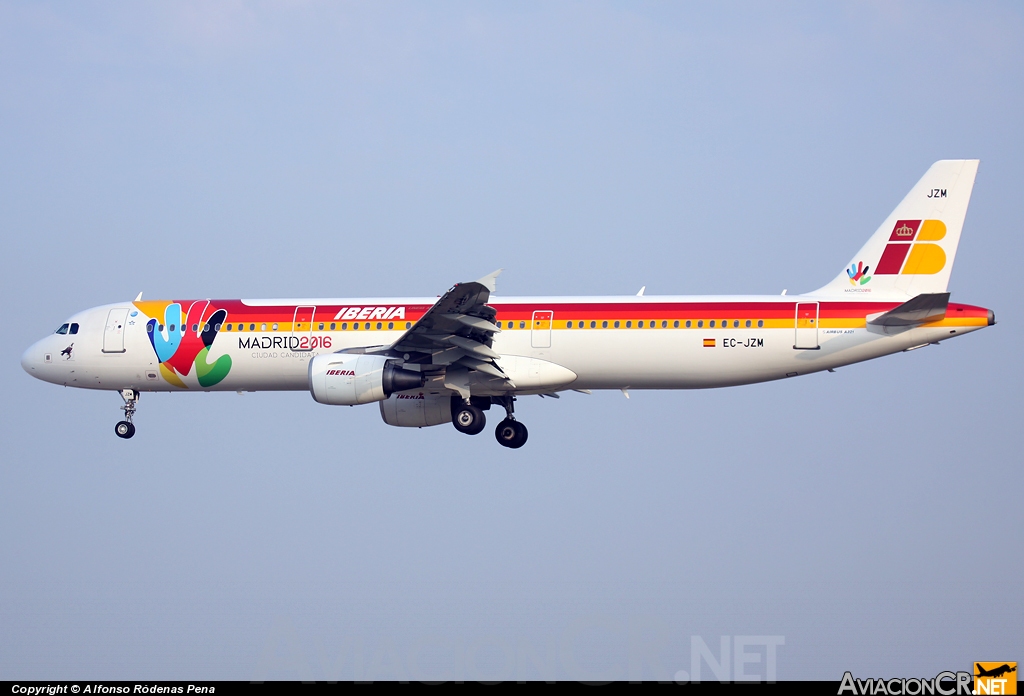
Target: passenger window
<point>321,327</point>
<point>522,325</point>
<point>639,325</point>
<point>748,324</point>
<point>217,327</point>
<point>664,324</point>
<point>195,327</point>
<point>275,327</point>
<point>252,327</point>
<point>149,328</point>
<point>711,324</point>
<point>593,324</point>
<point>333,325</point>
<point>355,326</point>
<point>160,327</point>
<point>379,325</point>
<point>263,327</point>
<point>700,324</point>
<point>391,325</point>
<point>616,324</point>
<point>629,324</point>
<point>169,328</point>
<point>63,329</point>
<point>344,326</point>
<point>736,323</point>
<point>604,324</point>
<point>760,323</point>
<point>227,327</point>
<point>367,326</point>
<point>675,324</point>
<point>568,324</point>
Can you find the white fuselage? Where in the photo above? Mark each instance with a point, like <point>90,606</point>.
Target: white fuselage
<point>274,354</point>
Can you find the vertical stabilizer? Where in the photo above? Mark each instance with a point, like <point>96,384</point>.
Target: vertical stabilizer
<point>912,252</point>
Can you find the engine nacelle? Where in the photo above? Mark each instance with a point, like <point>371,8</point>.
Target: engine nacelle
<point>343,379</point>
<point>417,409</point>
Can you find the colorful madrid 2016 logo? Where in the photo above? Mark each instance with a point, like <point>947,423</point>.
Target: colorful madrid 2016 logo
<point>182,341</point>
<point>858,274</point>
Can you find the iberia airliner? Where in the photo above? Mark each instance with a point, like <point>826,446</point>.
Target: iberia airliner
<point>428,361</point>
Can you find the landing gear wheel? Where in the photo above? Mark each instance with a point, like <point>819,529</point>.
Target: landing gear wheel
<point>469,419</point>
<point>511,433</point>
<point>124,430</point>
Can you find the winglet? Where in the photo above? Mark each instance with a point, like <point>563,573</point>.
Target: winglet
<point>488,281</point>
<point>641,293</point>
<point>139,298</point>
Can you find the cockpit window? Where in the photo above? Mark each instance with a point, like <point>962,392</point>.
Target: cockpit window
<point>74,329</point>
<point>63,329</point>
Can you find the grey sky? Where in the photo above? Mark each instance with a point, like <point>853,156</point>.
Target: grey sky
<point>326,149</point>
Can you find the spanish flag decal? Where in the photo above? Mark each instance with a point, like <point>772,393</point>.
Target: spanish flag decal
<point>709,343</point>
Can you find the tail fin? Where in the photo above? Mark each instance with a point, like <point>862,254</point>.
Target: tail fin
<point>912,252</point>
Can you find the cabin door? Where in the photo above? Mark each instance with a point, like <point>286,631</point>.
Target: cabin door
<point>806,326</point>
<point>113,332</point>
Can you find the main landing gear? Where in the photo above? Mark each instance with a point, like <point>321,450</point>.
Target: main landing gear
<point>468,417</point>
<point>510,432</point>
<point>125,429</point>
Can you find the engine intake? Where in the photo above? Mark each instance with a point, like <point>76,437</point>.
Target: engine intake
<point>342,379</point>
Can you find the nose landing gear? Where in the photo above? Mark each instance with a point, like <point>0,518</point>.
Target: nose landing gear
<point>125,429</point>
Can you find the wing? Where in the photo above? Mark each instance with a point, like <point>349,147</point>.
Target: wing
<point>454,337</point>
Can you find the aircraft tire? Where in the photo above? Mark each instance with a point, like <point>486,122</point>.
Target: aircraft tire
<point>124,430</point>
<point>469,419</point>
<point>511,434</point>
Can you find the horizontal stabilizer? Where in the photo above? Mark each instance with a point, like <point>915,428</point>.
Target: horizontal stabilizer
<point>921,309</point>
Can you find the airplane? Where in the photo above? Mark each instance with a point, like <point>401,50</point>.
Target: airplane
<point>996,671</point>
<point>430,361</point>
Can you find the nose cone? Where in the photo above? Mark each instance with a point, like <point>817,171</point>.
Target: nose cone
<point>30,360</point>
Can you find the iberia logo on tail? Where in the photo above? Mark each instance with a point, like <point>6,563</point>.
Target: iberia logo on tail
<point>910,251</point>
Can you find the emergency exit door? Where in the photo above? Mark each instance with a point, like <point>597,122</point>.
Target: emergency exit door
<point>302,328</point>
<point>540,335</point>
<point>806,326</point>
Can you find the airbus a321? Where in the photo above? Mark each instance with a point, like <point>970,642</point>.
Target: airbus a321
<point>427,361</point>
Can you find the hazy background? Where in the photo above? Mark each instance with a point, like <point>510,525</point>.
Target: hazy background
<point>243,149</point>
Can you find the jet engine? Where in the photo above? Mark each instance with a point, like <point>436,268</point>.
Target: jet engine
<point>343,379</point>
<point>417,409</point>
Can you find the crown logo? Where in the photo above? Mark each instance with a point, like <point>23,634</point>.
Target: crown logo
<point>905,231</point>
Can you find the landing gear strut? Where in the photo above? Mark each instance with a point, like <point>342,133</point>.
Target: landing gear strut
<point>510,432</point>
<point>124,429</point>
